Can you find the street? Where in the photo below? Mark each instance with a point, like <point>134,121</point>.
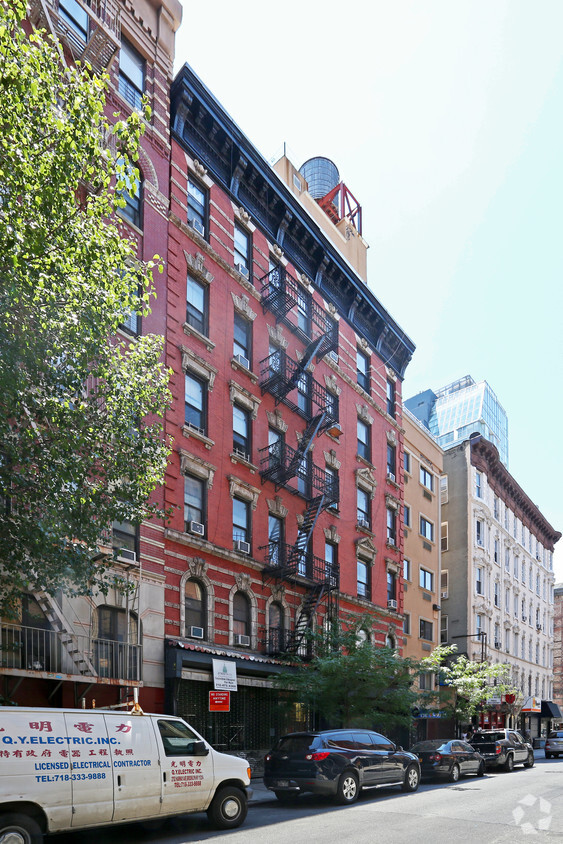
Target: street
<point>497,808</point>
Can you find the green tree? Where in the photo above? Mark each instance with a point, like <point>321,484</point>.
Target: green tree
<point>468,684</point>
<point>353,683</point>
<point>81,441</point>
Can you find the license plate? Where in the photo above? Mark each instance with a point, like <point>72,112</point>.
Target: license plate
<point>282,783</point>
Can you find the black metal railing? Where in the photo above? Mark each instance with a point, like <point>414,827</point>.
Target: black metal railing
<point>295,307</point>
<point>281,376</point>
<point>280,463</point>
<point>279,559</point>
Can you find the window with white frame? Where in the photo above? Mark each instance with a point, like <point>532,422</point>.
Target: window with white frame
<point>426,528</point>
<point>479,581</point>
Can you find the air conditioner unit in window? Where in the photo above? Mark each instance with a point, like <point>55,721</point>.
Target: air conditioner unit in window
<point>125,554</point>
<point>196,632</point>
<point>363,523</point>
<point>243,641</point>
<point>391,477</point>
<point>392,604</point>
<point>444,594</point>
<point>243,361</point>
<point>242,270</point>
<point>197,225</point>
<point>333,355</point>
<point>197,528</point>
<point>242,546</point>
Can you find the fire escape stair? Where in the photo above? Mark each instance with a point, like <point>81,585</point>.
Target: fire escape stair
<point>305,618</point>
<point>60,625</point>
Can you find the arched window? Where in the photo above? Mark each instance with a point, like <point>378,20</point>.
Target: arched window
<point>276,638</point>
<point>195,599</point>
<point>390,641</point>
<point>241,615</point>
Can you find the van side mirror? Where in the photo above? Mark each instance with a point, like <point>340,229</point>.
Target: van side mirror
<point>200,749</point>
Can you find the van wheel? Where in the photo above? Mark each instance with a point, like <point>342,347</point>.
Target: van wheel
<point>228,808</point>
<point>19,829</point>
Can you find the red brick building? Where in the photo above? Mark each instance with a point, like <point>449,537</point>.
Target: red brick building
<point>285,478</point>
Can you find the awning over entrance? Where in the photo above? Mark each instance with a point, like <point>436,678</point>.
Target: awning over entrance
<point>550,709</point>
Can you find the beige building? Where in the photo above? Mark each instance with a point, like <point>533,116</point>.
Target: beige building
<point>423,459</point>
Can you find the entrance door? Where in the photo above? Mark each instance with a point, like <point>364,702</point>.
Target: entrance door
<point>187,778</point>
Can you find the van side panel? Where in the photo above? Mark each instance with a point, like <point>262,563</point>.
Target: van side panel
<point>89,754</point>
<point>135,766</point>
<point>35,762</point>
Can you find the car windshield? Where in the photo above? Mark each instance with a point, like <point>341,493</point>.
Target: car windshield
<point>435,744</point>
<point>482,738</point>
<point>556,734</point>
<point>297,744</point>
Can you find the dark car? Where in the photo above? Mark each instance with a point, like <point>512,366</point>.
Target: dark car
<point>451,758</point>
<point>554,744</point>
<point>503,749</point>
<point>338,763</point>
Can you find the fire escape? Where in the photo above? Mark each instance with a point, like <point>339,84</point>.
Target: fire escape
<point>292,468</point>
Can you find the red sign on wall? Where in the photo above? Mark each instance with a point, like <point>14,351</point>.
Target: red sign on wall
<point>219,701</point>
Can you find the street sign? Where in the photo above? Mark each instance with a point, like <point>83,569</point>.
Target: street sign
<point>219,701</point>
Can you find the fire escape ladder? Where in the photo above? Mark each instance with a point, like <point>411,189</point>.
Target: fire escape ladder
<point>305,618</point>
<point>298,551</point>
<point>309,434</point>
<point>69,642</point>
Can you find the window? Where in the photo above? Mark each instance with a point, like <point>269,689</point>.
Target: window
<point>242,251</point>
<point>497,593</point>
<point>275,541</point>
<point>131,321</point>
<point>275,627</point>
<point>407,624</point>
<point>131,194</point>
<point>362,370</point>
<point>331,405</point>
<point>131,74</point>
<point>443,629</point>
<point>115,654</point>
<point>303,311</point>
<point>364,449</point>
<point>177,738</point>
<point>507,559</point>
<point>195,599</point>
<point>426,529</point>
<point>196,305</point>
<point>124,539</point>
<point>304,475</point>
<point>407,515</point>
<point>496,553</point>
<point>194,492</point>
<point>363,579</point>
<point>391,398</point>
<point>426,630</point>
<point>507,600</point>
<point>197,207</point>
<point>242,339</point>
<point>425,678</point>
<point>478,485</point>
<point>426,580</point>
<point>241,614</point>
<point>241,520</point>
<point>478,624</point>
<point>241,432</point>
<point>391,586</point>
<point>331,560</point>
<point>479,586</point>
<point>427,478</point>
<point>75,15</point>
<point>304,393</point>
<point>407,462</point>
<point>331,476</point>
<point>391,461</point>
<point>444,536</point>
<point>391,526</point>
<point>363,508</point>
<point>480,532</point>
<point>406,569</point>
<point>196,403</point>
<point>496,507</point>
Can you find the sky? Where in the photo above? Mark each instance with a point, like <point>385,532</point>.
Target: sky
<point>445,120</point>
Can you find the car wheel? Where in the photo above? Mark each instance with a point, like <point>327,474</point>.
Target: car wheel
<point>481,769</point>
<point>412,779</point>
<point>548,755</point>
<point>286,796</point>
<point>509,764</point>
<point>529,763</point>
<point>348,788</point>
<point>228,808</point>
<point>20,829</point>
<point>454,773</point>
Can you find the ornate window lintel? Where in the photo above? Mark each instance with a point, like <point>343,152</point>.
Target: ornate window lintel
<point>192,465</point>
<point>243,397</point>
<point>243,490</point>
<point>276,507</point>
<point>193,363</point>
<point>363,414</point>
<point>275,420</point>
<point>242,306</point>
<point>196,266</point>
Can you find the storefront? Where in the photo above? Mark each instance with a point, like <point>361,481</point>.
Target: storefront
<point>258,712</point>
<point>538,717</point>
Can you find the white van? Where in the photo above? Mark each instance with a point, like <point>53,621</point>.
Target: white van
<point>67,769</point>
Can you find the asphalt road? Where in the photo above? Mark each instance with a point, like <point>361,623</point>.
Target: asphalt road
<point>524,805</point>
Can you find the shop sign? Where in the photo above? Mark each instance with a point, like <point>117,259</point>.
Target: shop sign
<point>224,675</point>
<point>531,704</point>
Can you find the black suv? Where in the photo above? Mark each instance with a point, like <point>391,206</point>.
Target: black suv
<point>338,763</point>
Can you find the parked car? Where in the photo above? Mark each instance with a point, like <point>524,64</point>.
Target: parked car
<point>338,764</point>
<point>449,758</point>
<point>554,744</point>
<point>503,749</point>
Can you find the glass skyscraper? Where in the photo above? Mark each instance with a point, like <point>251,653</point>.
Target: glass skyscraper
<point>460,409</point>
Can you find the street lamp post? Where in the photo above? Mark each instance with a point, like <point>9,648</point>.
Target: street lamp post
<point>481,635</point>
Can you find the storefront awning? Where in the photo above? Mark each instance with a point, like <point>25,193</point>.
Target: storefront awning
<point>550,709</point>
